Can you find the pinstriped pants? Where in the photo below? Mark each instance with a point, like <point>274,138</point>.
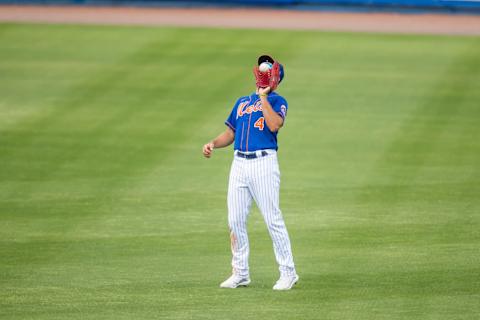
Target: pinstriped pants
<point>257,179</point>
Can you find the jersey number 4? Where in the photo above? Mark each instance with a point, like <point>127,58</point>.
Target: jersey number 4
<point>260,123</point>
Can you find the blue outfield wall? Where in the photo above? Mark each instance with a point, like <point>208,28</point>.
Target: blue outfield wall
<point>451,5</point>
<point>463,6</point>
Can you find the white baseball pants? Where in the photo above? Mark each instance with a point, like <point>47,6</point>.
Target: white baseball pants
<point>257,179</point>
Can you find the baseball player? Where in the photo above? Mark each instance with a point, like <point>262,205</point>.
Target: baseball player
<point>253,126</point>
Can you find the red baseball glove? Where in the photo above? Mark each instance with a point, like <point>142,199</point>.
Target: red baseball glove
<point>269,78</point>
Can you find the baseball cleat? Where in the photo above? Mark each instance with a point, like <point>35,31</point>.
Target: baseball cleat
<point>235,281</point>
<point>286,282</point>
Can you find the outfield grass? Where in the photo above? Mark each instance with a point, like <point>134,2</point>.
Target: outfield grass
<point>109,211</point>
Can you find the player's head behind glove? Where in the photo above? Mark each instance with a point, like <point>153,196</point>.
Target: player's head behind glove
<point>268,72</point>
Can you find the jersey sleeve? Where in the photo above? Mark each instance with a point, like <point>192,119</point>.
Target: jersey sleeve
<point>280,106</point>
<point>231,121</point>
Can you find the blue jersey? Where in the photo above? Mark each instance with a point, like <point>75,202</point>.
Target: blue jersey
<point>248,123</point>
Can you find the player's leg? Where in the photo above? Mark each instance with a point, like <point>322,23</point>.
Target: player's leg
<point>239,203</point>
<point>265,189</point>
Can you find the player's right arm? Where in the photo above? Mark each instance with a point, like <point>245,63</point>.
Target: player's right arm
<point>223,140</point>
<point>228,136</point>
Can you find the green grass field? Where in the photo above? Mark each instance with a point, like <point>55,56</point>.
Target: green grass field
<point>109,211</point>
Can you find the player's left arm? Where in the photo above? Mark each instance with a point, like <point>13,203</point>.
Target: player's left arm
<point>273,120</point>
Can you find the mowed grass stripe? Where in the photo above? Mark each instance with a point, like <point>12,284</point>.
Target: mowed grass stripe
<point>109,211</point>
<point>419,150</point>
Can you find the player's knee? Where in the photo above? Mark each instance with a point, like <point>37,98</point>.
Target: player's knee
<point>236,222</point>
<point>275,223</point>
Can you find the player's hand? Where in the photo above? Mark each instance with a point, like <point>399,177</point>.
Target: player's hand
<point>265,90</point>
<point>207,150</point>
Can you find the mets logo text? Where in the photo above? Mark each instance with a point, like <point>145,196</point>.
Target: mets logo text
<point>243,109</point>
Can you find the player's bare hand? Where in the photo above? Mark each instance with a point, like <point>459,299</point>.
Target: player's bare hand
<point>265,90</point>
<point>207,149</point>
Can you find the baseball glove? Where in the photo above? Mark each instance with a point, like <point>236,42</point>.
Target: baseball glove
<point>269,78</point>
